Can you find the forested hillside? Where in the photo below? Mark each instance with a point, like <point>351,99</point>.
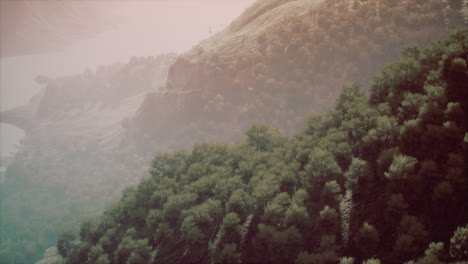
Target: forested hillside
<point>381,178</point>
<point>279,62</point>
<point>91,134</point>
<point>71,161</point>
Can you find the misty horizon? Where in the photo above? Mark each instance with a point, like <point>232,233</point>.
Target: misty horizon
<point>229,132</point>
<point>142,28</point>
<point>147,28</point>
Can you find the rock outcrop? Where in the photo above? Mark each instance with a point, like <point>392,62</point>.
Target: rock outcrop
<point>278,63</point>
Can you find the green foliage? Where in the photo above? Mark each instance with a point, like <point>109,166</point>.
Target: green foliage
<point>273,199</point>
<point>294,68</point>
<point>64,242</point>
<point>372,261</point>
<point>459,243</point>
<point>322,167</point>
<point>327,257</point>
<point>367,239</point>
<point>401,166</point>
<point>261,137</point>
<point>412,236</point>
<point>131,251</point>
<point>56,181</point>
<point>358,169</point>
<point>297,69</point>
<point>346,260</point>
<point>433,254</point>
<point>229,254</point>
<point>328,219</point>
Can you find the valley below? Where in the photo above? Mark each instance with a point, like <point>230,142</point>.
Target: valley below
<point>234,149</point>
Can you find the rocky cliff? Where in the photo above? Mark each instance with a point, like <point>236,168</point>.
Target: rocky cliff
<point>280,62</point>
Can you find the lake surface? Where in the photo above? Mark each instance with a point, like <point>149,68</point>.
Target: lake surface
<point>10,138</point>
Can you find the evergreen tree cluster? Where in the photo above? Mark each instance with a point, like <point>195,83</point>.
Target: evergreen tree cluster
<point>382,178</point>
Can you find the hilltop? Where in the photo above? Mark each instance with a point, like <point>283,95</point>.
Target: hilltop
<point>381,178</point>
<point>278,63</point>
<point>89,135</point>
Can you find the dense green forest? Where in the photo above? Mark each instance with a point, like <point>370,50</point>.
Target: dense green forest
<point>379,179</point>
<point>278,76</point>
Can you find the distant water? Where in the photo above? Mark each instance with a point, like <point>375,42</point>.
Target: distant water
<point>10,137</point>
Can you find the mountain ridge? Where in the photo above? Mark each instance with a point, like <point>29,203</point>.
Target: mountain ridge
<point>239,37</point>
<point>284,58</point>
<point>296,69</point>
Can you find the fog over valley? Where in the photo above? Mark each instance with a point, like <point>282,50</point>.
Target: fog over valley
<point>139,28</point>
<point>218,131</point>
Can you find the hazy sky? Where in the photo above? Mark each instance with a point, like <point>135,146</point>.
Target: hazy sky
<point>147,28</point>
